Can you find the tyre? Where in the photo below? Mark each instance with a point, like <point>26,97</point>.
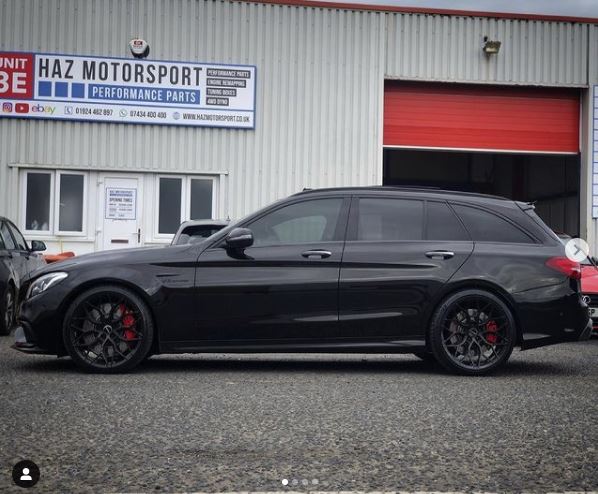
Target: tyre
<point>108,329</point>
<point>9,306</point>
<point>472,332</point>
<point>425,356</point>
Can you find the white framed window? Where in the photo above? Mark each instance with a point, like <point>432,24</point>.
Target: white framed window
<point>181,198</point>
<point>54,202</point>
<point>71,205</point>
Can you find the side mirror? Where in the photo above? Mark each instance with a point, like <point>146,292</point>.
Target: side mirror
<point>37,246</point>
<point>239,239</point>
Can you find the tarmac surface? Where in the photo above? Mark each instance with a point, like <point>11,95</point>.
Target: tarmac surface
<point>217,423</point>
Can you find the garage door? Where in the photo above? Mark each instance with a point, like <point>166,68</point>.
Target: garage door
<point>474,117</point>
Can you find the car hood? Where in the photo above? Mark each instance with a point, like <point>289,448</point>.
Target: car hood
<point>589,279</point>
<point>118,257</point>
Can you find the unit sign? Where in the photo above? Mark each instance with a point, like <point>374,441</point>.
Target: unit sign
<point>121,204</point>
<point>73,87</point>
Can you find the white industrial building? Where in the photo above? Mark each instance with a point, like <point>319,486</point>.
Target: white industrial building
<point>240,103</point>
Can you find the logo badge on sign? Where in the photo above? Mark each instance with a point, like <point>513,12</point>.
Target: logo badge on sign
<point>7,107</point>
<point>22,108</point>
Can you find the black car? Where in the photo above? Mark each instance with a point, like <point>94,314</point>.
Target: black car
<point>17,260</point>
<point>459,278</point>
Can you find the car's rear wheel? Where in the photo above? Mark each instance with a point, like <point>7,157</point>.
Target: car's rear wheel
<point>9,307</point>
<point>108,329</point>
<point>472,332</point>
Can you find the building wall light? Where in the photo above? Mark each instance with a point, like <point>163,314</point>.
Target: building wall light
<point>491,47</point>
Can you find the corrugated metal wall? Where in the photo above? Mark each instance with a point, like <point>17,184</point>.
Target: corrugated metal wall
<point>319,80</point>
<point>449,48</point>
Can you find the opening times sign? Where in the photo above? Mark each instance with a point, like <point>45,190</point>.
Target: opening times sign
<point>89,88</point>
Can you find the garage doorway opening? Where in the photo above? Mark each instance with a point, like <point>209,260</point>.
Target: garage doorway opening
<point>551,181</point>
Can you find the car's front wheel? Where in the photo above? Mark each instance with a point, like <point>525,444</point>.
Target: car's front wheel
<point>108,329</point>
<point>9,305</point>
<point>472,332</point>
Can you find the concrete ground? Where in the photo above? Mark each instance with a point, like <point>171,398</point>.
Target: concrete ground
<point>324,422</point>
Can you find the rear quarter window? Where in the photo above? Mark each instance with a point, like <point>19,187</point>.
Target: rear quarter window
<point>484,226</point>
<point>442,223</point>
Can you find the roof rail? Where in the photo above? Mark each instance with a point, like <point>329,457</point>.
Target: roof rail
<point>410,188</point>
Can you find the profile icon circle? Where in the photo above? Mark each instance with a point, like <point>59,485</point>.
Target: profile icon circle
<point>25,474</point>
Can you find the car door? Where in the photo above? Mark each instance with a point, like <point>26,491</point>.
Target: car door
<point>29,260</point>
<point>399,253</point>
<point>283,287</point>
<point>6,268</point>
<point>12,254</point>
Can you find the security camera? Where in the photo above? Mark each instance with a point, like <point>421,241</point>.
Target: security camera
<point>139,48</point>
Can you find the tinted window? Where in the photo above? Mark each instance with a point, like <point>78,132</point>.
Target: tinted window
<point>21,244</point>
<point>303,222</point>
<point>443,224</point>
<point>71,203</point>
<point>37,206</point>
<point>6,237</point>
<point>390,219</point>
<point>201,199</point>
<point>487,227</point>
<point>169,206</point>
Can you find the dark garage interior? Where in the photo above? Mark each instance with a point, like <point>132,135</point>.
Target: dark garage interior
<point>550,181</point>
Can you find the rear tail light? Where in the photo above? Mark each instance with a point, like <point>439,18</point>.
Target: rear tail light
<point>564,265</point>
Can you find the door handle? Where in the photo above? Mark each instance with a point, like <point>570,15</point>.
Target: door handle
<point>316,254</point>
<point>440,254</point>
<point>138,235</point>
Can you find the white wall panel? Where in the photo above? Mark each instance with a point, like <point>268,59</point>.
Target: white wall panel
<point>319,87</point>
<point>449,48</point>
<point>320,80</point>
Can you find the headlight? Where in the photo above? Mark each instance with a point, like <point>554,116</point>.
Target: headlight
<point>44,282</point>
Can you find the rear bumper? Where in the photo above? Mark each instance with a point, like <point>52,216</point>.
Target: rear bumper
<point>587,332</point>
<point>554,314</point>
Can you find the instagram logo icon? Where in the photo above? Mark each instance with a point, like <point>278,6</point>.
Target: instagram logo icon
<point>7,107</point>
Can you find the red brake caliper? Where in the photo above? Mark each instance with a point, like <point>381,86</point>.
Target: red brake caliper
<point>128,323</point>
<point>492,329</point>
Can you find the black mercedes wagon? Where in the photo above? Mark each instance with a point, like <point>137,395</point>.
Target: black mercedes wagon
<point>454,277</point>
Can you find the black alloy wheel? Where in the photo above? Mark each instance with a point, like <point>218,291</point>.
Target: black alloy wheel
<point>472,332</point>
<point>108,329</point>
<point>8,316</point>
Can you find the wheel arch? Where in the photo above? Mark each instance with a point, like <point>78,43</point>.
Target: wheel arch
<point>94,283</point>
<point>475,284</point>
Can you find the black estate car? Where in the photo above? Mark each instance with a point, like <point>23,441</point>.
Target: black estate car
<point>456,277</point>
<point>17,260</point>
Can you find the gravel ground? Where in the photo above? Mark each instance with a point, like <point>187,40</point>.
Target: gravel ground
<point>237,423</point>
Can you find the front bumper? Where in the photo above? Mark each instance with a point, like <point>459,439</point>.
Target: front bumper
<point>27,346</point>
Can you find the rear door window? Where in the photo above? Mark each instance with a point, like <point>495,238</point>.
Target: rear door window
<point>484,226</point>
<point>383,219</point>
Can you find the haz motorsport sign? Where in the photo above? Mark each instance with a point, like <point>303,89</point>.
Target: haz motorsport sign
<point>88,88</point>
